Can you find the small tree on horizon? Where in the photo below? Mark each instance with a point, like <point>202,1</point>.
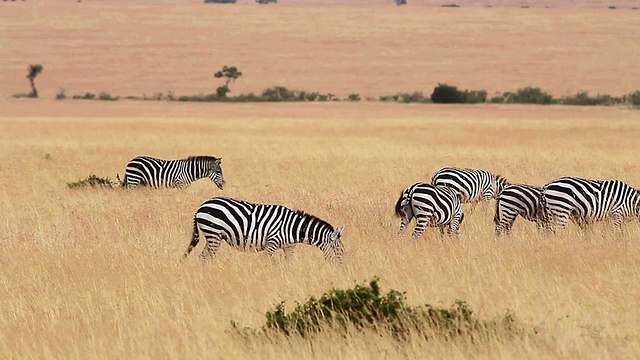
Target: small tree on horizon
<point>34,70</point>
<point>231,74</point>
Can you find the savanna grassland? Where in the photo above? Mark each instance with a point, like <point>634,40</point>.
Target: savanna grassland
<point>97,273</point>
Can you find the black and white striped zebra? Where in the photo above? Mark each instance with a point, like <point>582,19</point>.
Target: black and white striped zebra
<point>154,172</point>
<point>587,201</point>
<point>250,226</point>
<point>430,205</point>
<point>473,185</point>
<point>520,199</point>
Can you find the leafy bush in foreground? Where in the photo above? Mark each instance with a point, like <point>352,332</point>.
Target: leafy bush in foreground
<point>364,307</point>
<point>93,181</point>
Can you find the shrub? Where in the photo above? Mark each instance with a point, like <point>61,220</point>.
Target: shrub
<point>220,1</point>
<point>474,96</point>
<point>61,95</point>
<point>353,97</point>
<point>529,95</point>
<point>583,98</point>
<point>634,98</point>
<point>364,307</point>
<point>105,96</point>
<point>498,99</point>
<point>86,96</point>
<point>415,97</point>
<point>93,181</point>
<point>446,94</point>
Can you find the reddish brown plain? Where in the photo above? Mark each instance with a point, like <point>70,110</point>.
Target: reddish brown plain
<point>95,273</point>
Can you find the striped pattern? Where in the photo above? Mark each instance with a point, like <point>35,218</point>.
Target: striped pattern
<point>431,206</point>
<point>473,185</point>
<point>520,199</point>
<point>587,201</point>
<point>157,173</point>
<point>250,226</point>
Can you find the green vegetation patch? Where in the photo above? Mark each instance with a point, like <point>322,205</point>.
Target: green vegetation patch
<point>365,308</point>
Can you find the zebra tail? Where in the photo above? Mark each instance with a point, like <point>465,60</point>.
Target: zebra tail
<point>195,239</point>
<point>496,217</point>
<point>399,205</point>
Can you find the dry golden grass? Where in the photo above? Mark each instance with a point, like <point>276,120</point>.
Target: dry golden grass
<point>95,273</point>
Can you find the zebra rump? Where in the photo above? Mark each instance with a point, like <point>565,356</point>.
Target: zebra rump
<point>155,172</point>
<point>251,226</point>
<point>434,206</point>
<point>587,200</point>
<point>520,199</point>
<point>474,185</point>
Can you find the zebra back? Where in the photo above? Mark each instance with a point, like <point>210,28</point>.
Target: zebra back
<point>473,184</point>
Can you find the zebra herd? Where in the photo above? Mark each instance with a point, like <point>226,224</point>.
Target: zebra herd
<point>551,206</point>
<point>251,226</point>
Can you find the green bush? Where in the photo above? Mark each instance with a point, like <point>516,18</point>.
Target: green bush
<point>105,96</point>
<point>61,95</point>
<point>86,96</point>
<point>446,94</point>
<point>94,181</point>
<point>583,98</point>
<point>364,307</point>
<point>498,99</point>
<point>353,97</point>
<point>634,98</point>
<point>529,95</point>
<point>220,1</point>
<point>415,97</point>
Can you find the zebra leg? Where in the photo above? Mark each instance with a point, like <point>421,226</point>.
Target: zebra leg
<point>421,223</point>
<point>272,246</point>
<point>403,226</point>
<point>210,247</point>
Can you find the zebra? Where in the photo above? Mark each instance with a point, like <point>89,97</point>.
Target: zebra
<point>520,199</point>
<point>587,201</point>
<point>246,226</point>
<point>473,185</point>
<point>430,205</point>
<point>154,172</point>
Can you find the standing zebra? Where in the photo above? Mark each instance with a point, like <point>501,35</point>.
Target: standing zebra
<point>473,185</point>
<point>519,199</point>
<point>430,205</point>
<point>587,201</point>
<point>150,171</point>
<point>247,226</point>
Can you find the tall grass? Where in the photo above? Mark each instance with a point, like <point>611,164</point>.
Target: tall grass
<point>96,272</point>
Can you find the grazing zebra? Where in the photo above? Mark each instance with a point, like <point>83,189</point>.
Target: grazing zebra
<point>587,201</point>
<point>473,185</point>
<point>248,226</point>
<point>519,199</point>
<point>146,170</point>
<point>430,205</point>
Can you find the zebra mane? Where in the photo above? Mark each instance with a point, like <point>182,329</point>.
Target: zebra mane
<point>314,219</point>
<point>501,179</point>
<point>204,158</point>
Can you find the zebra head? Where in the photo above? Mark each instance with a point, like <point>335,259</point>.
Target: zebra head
<point>214,171</point>
<point>335,250</point>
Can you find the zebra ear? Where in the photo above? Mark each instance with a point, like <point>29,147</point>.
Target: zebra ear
<point>338,232</point>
